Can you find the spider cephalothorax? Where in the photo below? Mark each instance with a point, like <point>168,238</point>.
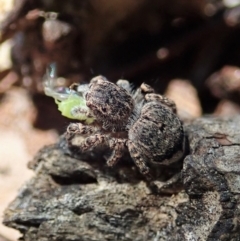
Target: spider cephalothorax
<point>110,104</point>
<point>154,133</point>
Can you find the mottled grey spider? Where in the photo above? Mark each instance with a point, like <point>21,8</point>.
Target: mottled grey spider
<point>153,132</point>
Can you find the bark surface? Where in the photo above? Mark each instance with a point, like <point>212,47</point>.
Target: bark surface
<point>75,196</point>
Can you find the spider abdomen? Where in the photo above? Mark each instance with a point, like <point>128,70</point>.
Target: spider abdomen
<point>157,134</point>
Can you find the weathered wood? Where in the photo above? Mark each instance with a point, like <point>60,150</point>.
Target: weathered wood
<point>77,197</point>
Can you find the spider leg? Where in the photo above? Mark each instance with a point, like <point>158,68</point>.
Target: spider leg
<point>74,86</point>
<point>94,141</point>
<point>138,159</point>
<point>163,99</point>
<point>169,186</point>
<point>146,89</point>
<point>117,145</point>
<point>125,85</point>
<point>78,129</point>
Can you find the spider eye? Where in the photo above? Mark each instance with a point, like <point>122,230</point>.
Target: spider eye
<point>104,109</point>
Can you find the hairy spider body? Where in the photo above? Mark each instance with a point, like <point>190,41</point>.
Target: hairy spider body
<point>116,116</point>
<point>110,104</point>
<point>154,132</point>
<point>157,135</point>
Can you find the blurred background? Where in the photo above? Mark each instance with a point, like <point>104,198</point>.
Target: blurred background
<point>188,50</point>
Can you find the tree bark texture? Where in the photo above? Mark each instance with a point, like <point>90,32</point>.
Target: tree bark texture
<point>75,196</point>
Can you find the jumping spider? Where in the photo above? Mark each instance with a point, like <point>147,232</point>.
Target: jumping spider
<point>153,132</point>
